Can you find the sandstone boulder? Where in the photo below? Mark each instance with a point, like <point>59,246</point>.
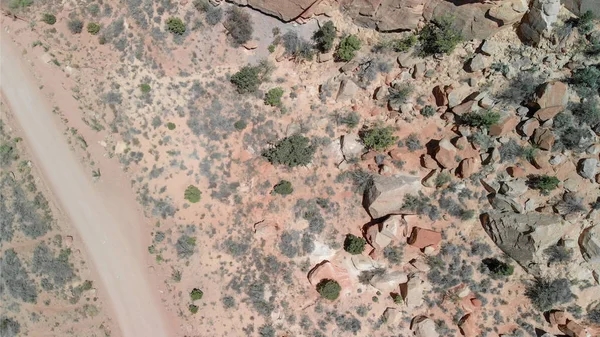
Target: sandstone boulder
<point>347,90</point>
<point>385,195</point>
<point>327,271</point>
<point>445,154</point>
<point>529,126</point>
<point>352,147</point>
<point>389,281</point>
<point>477,63</point>
<point>412,292</point>
<point>423,326</point>
<point>286,10</point>
<point>504,126</point>
<point>364,263</point>
<point>392,316</point>
<point>588,168</point>
<point>421,238</point>
<point>523,237</point>
<point>468,166</point>
<point>545,114</point>
<point>540,18</point>
<point>544,138</point>
<point>552,94</point>
<point>589,241</point>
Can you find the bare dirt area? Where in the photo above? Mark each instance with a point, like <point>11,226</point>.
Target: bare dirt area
<point>385,171</point>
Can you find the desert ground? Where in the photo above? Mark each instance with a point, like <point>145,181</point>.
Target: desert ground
<point>414,168</point>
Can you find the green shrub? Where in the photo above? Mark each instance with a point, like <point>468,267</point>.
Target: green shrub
<point>428,111</point>
<point>347,48</point>
<point>175,25</point>
<point>351,119</point>
<point>545,294</point>
<point>192,194</point>
<point>75,26</point>
<point>271,48</point>
<point>296,47</point>
<point>273,97</point>
<point>196,294</point>
<point>439,36</point>
<point>325,36</point>
<point>585,23</point>
<point>397,45</point>
<point>214,15</point>
<point>587,79</point>
<point>49,18</point>
<point>399,94</point>
<point>379,138</point>
<point>413,143</point>
<point>291,151</point>
<point>93,28</point>
<point>239,26</point>
<point>284,187</point>
<point>171,126</point>
<point>588,112</point>
<point>480,119</point>
<point>145,88</point>
<point>329,289</point>
<point>498,267</point>
<point>240,125</point>
<point>393,253</point>
<point>19,4</point>
<point>193,308</point>
<point>354,244</point>
<point>248,79</point>
<point>201,5</point>
<point>543,183</point>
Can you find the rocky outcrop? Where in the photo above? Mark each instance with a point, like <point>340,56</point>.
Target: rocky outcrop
<point>327,271</point>
<point>421,238</point>
<point>385,195</point>
<point>587,168</point>
<point>423,326</point>
<point>581,6</point>
<point>413,291</point>
<point>540,18</point>
<point>352,147</point>
<point>388,281</point>
<point>286,10</point>
<point>589,241</point>
<point>523,237</point>
<point>445,154</point>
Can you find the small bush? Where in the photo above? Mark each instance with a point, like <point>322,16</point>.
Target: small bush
<point>498,267</point>
<point>428,111</point>
<point>93,28</point>
<point>480,120</point>
<point>239,26</point>
<point>284,187</point>
<point>19,4</point>
<point>175,25</point>
<point>171,126</point>
<point>201,5</point>
<point>193,308</point>
<point>192,194</point>
<point>544,183</point>
<point>587,79</point>
<point>558,254</point>
<point>49,18</point>
<point>185,246</point>
<point>325,36</point>
<point>351,119</point>
<point>413,143</point>
<point>145,88</point>
<point>594,315</point>
<point>297,47</point>
<point>399,94</point>
<point>379,138</point>
<point>329,289</point>
<point>393,254</point>
<point>588,112</point>
<point>196,294</point>
<point>228,302</point>
<point>291,151</point>
<point>354,244</point>
<point>240,125</point>
<point>9,327</point>
<point>214,15</point>
<point>347,48</point>
<point>439,36</point>
<point>545,294</point>
<point>75,26</point>
<point>585,23</point>
<point>248,79</point>
<point>397,45</point>
<point>273,97</point>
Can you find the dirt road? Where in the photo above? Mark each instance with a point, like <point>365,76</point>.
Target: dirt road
<point>103,226</point>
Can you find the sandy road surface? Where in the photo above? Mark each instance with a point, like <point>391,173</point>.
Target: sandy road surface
<point>101,225</point>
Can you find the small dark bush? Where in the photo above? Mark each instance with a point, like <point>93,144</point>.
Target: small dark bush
<point>196,294</point>
<point>399,94</point>
<point>439,36</point>
<point>239,26</point>
<point>266,331</point>
<point>171,126</point>
<point>544,183</point>
<point>329,289</point>
<point>480,120</point>
<point>228,302</point>
<point>9,327</point>
<point>49,18</point>
<point>192,194</point>
<point>201,5</point>
<point>273,97</point>
<point>291,151</point>
<point>594,315</point>
<point>185,246</point>
<point>214,15</point>
<point>288,246</point>
<point>354,244</point>
<point>145,88</point>
<point>324,37</point>
<point>428,111</point>
<point>498,267</point>
<point>249,78</point>
<point>75,26</point>
<point>351,119</point>
<point>240,125</point>
<point>378,138</point>
<point>284,187</point>
<point>193,308</point>
<point>347,48</point>
<point>397,45</point>
<point>585,23</point>
<point>175,25</point>
<point>545,294</point>
<point>588,112</point>
<point>413,143</point>
<point>393,254</point>
<point>558,254</point>
<point>587,80</point>
<point>421,205</point>
<point>297,47</point>
<point>93,28</point>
